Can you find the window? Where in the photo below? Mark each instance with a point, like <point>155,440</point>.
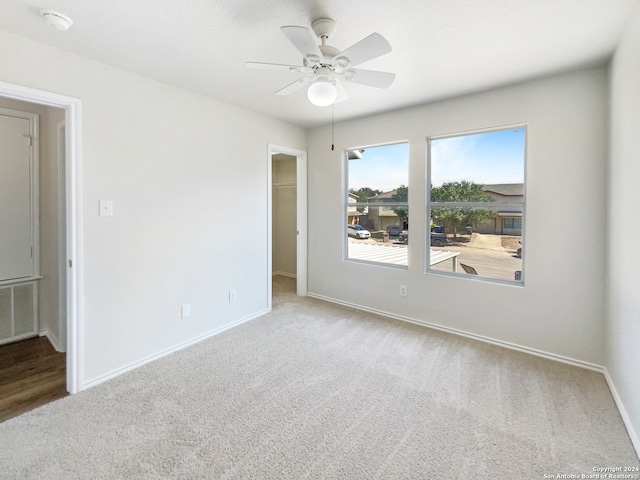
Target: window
<point>512,223</point>
<point>476,204</point>
<point>375,204</point>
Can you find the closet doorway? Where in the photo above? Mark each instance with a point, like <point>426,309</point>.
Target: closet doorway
<point>287,217</point>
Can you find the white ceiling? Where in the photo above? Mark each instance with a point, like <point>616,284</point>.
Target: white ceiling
<point>441,48</point>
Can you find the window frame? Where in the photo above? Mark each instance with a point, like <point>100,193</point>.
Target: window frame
<point>345,204</point>
<point>429,205</point>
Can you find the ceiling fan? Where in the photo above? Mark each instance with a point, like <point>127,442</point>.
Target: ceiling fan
<point>325,67</point>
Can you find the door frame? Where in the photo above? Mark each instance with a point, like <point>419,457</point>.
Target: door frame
<point>301,219</point>
<point>73,216</point>
<point>62,239</point>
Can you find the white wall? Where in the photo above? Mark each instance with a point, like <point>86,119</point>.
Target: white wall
<point>284,214</point>
<point>186,173</point>
<point>623,327</point>
<point>561,310</point>
<point>48,290</point>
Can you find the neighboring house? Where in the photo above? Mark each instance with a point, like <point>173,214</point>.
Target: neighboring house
<point>380,217</point>
<point>353,215</point>
<point>507,221</point>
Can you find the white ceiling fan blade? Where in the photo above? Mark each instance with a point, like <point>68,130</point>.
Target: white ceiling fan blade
<point>342,93</point>
<point>370,47</point>
<point>294,87</point>
<point>277,66</point>
<point>370,77</point>
<point>303,40</point>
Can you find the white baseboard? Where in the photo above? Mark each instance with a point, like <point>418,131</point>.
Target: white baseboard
<point>635,440</point>
<point>164,353</point>
<point>284,274</point>
<point>462,333</point>
<point>53,339</point>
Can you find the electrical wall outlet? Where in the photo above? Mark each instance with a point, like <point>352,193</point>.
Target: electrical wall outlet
<point>232,296</point>
<point>185,310</point>
<point>403,290</point>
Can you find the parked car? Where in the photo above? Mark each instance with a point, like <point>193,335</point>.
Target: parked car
<point>394,230</point>
<point>437,239</point>
<point>358,231</point>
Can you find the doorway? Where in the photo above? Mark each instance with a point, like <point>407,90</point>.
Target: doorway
<point>66,247</point>
<point>32,342</point>
<point>284,226</point>
<point>287,217</point>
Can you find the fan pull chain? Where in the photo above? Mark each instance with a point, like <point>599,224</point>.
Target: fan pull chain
<point>332,146</point>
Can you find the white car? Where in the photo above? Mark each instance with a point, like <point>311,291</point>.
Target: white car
<point>358,231</point>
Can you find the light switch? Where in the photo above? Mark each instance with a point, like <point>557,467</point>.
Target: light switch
<point>106,208</point>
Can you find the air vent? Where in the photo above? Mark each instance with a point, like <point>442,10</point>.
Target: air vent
<point>17,312</point>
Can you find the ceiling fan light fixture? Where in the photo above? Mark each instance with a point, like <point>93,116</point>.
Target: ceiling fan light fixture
<point>322,93</point>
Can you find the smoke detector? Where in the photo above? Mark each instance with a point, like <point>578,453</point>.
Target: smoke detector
<point>57,20</point>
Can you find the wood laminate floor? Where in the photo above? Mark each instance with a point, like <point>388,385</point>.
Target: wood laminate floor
<point>32,373</point>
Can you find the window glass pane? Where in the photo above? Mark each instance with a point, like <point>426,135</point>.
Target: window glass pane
<point>493,160</point>
<point>386,245</point>
<point>486,172</point>
<point>487,239</point>
<point>377,198</point>
<point>379,169</point>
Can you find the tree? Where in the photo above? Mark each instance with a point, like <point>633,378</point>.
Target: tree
<point>364,194</point>
<point>401,195</point>
<point>463,191</point>
<point>476,216</point>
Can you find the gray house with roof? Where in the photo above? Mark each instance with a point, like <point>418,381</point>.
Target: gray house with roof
<point>380,217</point>
<point>507,221</point>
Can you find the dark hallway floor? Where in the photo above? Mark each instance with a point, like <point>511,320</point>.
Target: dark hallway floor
<point>32,373</point>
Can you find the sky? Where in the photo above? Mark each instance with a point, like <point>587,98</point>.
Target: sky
<point>384,168</point>
<point>484,158</point>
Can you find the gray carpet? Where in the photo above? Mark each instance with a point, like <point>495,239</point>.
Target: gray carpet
<point>314,390</point>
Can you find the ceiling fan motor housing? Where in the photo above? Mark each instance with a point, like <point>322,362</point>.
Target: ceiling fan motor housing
<point>323,27</point>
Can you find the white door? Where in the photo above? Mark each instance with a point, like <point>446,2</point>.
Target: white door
<point>16,245</point>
